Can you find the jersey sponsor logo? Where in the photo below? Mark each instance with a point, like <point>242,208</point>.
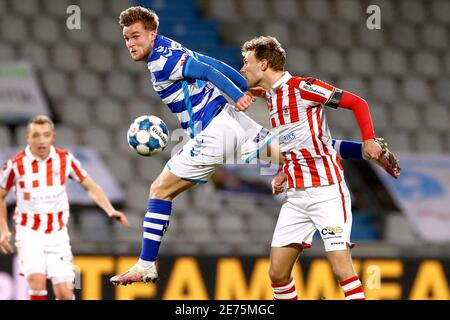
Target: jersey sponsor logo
<point>314,89</point>
<point>287,137</point>
<point>48,197</point>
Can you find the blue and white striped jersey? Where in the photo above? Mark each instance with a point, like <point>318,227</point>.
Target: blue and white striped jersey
<point>194,102</point>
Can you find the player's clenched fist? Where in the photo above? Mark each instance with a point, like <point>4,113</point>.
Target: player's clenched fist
<point>278,183</point>
<point>371,149</point>
<point>244,102</point>
<point>5,242</point>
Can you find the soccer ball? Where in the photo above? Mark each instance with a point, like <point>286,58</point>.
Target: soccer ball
<point>148,135</point>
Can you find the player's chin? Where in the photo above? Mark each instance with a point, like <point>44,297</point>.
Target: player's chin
<point>136,57</point>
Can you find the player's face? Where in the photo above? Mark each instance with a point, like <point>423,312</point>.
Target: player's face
<point>139,41</point>
<point>40,137</point>
<point>251,69</point>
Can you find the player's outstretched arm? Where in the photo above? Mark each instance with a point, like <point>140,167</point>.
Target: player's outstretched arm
<point>5,234</point>
<point>224,68</point>
<point>354,150</point>
<point>97,194</point>
<point>196,69</point>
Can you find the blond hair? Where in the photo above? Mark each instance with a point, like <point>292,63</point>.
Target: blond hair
<point>40,119</point>
<point>139,14</point>
<point>269,48</point>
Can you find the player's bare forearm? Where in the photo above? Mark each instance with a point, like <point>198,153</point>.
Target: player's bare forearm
<point>3,213</point>
<point>5,234</point>
<point>100,198</point>
<point>96,193</point>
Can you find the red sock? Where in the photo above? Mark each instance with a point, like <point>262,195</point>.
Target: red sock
<point>353,289</point>
<point>37,294</point>
<point>284,291</point>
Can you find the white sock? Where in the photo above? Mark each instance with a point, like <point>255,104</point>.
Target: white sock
<point>144,263</point>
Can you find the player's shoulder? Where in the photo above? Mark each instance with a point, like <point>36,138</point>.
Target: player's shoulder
<point>18,156</point>
<point>62,152</point>
<point>312,81</point>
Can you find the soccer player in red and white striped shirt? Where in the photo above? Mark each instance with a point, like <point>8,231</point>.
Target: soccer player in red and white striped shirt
<point>317,196</point>
<point>38,175</point>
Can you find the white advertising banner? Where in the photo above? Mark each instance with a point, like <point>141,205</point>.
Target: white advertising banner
<point>95,167</point>
<point>423,194</point>
<point>20,95</point>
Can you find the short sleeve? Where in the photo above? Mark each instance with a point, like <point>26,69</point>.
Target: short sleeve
<point>319,92</point>
<point>168,66</point>
<point>76,171</point>
<point>7,175</point>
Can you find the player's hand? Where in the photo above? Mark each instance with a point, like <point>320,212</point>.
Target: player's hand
<point>278,183</point>
<point>257,92</point>
<point>5,243</point>
<point>371,149</point>
<point>119,216</point>
<point>244,102</point>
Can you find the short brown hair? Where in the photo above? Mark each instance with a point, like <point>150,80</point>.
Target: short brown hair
<point>269,48</point>
<point>135,14</point>
<point>40,119</point>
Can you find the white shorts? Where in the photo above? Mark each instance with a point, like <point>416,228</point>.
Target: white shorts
<point>326,209</point>
<point>229,134</point>
<point>48,254</point>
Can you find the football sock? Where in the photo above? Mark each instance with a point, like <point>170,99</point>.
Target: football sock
<point>156,221</point>
<point>37,294</point>
<point>285,291</point>
<point>349,149</point>
<point>352,288</point>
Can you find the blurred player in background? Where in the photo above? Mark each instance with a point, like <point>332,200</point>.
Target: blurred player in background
<point>188,83</point>
<point>317,197</point>
<point>38,175</point>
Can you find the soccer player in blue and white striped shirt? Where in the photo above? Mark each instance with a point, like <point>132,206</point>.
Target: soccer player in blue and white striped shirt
<point>188,83</point>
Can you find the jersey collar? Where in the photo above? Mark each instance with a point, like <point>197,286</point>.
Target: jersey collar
<point>152,56</point>
<point>284,78</point>
<point>52,153</point>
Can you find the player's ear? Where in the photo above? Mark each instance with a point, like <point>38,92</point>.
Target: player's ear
<point>153,34</point>
<point>264,64</point>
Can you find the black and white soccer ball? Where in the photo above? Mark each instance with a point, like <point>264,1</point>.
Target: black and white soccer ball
<point>148,135</point>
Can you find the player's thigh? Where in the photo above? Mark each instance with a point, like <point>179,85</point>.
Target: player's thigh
<point>294,224</point>
<point>30,251</point>
<point>167,186</point>
<point>282,261</point>
<point>37,281</point>
<point>214,146</point>
<point>330,210</point>
<point>59,258</point>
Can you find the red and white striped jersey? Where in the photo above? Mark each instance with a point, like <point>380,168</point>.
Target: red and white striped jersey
<point>39,185</point>
<point>296,112</point>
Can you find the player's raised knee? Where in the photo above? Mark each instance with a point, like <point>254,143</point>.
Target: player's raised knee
<point>279,276</point>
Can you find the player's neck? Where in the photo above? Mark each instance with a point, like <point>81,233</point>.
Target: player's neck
<point>39,156</point>
<point>271,78</point>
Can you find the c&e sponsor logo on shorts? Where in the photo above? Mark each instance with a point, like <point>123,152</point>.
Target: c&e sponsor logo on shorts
<point>331,230</point>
